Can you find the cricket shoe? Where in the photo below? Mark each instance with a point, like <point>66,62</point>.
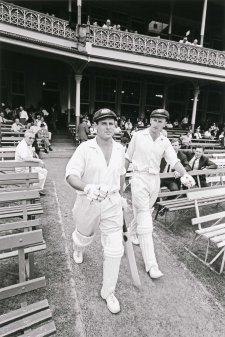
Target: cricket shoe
<point>78,256</point>
<point>154,272</point>
<point>134,239</point>
<point>112,304</point>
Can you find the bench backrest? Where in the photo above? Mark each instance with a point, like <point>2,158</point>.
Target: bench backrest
<point>21,240</point>
<point>19,195</point>
<point>19,225</point>
<point>11,165</point>
<point>19,178</point>
<point>206,218</point>
<point>215,192</point>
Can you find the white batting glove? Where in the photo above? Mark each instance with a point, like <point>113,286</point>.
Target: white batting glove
<point>103,192</point>
<point>187,180</point>
<point>92,191</point>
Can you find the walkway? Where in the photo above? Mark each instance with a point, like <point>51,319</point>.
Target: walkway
<point>177,305</point>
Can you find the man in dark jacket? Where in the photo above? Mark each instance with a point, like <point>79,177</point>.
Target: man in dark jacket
<point>174,184</point>
<point>83,131</point>
<point>198,161</point>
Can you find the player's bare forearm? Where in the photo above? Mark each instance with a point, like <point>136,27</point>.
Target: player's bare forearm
<point>179,168</point>
<point>127,163</point>
<point>76,182</point>
<point>122,182</point>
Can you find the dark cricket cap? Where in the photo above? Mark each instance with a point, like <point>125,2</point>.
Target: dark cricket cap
<point>104,113</point>
<point>160,113</point>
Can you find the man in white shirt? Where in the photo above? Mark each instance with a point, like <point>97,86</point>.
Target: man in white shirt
<point>16,127</point>
<point>23,115</point>
<point>145,151</point>
<point>96,171</point>
<point>128,125</point>
<point>25,152</point>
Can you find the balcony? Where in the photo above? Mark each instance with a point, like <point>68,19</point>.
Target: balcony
<point>151,46</point>
<point>109,47</point>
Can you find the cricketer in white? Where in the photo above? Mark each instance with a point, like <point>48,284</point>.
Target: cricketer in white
<point>145,151</point>
<point>97,172</point>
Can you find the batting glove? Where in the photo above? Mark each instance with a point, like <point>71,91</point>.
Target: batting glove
<point>187,180</point>
<point>92,191</point>
<point>103,192</point>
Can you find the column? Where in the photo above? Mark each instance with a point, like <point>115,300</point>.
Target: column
<point>165,94</point>
<point>78,79</point>
<point>203,22</point>
<point>79,4</point>
<point>69,99</point>
<point>170,20</point>
<point>194,109</point>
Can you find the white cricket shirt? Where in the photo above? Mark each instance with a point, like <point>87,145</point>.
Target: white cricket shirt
<point>146,154</point>
<point>88,163</point>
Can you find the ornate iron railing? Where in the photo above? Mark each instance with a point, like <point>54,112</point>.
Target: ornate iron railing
<point>36,21</point>
<point>107,38</point>
<point>147,45</point>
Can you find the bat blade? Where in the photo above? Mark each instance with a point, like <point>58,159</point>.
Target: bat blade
<point>130,256</point>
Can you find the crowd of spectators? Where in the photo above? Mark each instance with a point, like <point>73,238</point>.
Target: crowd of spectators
<point>36,120</point>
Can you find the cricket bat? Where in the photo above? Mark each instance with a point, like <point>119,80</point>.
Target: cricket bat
<point>130,256</point>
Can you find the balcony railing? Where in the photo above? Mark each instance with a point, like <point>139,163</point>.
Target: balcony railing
<point>108,38</point>
<point>152,46</point>
<point>36,21</point>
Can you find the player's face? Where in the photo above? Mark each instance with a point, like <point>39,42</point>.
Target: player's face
<point>157,124</point>
<point>106,128</point>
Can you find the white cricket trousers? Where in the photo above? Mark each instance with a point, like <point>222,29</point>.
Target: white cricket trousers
<point>145,188</point>
<point>42,175</point>
<point>108,216</point>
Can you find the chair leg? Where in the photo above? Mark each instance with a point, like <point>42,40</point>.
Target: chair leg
<point>222,263</point>
<point>207,251</point>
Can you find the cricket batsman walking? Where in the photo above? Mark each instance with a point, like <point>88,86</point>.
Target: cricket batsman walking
<point>145,151</point>
<point>97,172</point>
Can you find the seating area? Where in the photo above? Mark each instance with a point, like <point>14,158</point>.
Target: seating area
<point>21,237</point>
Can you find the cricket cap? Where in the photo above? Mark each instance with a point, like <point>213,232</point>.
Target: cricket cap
<point>160,113</point>
<point>104,113</point>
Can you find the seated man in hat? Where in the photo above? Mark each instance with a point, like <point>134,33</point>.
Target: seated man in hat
<point>43,135</point>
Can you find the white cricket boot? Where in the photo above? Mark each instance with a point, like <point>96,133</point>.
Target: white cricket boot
<point>78,256</point>
<point>154,272</point>
<point>112,304</point>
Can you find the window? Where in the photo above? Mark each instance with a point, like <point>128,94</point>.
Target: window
<point>214,101</point>
<point>84,93</point>
<point>154,95</point>
<point>18,83</point>
<point>105,89</point>
<point>3,87</point>
<point>130,92</point>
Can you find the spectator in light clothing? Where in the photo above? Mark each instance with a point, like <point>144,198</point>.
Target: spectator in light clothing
<point>16,127</point>
<point>208,134</point>
<point>25,152</point>
<point>128,125</point>
<point>43,135</point>
<point>117,128</point>
<point>23,116</point>
<point>197,134</point>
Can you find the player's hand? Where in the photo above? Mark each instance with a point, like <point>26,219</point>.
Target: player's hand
<point>187,180</point>
<point>103,192</point>
<point>176,174</point>
<point>92,191</point>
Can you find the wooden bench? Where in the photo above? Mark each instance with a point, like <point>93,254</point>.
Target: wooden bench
<point>7,156</point>
<point>20,204</point>
<point>22,179</point>
<point>11,141</point>
<point>206,145</point>
<point>37,317</point>
<point>180,201</point>
<point>19,242</point>
<point>12,165</point>
<point>214,232</point>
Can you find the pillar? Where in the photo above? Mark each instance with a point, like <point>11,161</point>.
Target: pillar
<point>194,109</point>
<point>165,94</point>
<point>69,100</point>
<point>203,22</point>
<point>78,79</point>
<point>79,4</point>
<point>170,21</point>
